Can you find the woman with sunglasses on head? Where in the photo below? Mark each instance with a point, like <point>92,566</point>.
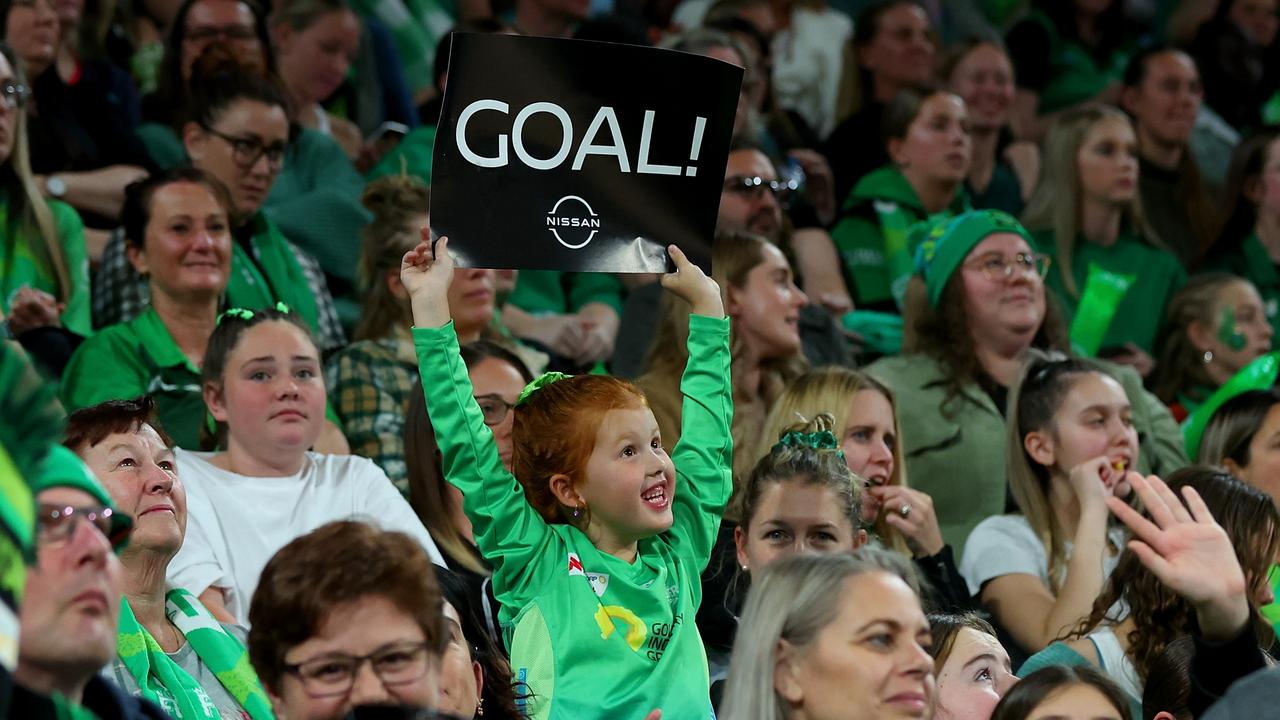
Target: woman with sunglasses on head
<point>178,230</point>
<point>238,133</point>
<point>170,651</point>
<point>44,272</point>
<point>372,379</point>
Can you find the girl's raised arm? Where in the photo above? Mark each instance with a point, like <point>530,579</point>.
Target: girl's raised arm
<point>509,532</point>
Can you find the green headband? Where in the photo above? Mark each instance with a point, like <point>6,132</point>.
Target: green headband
<point>947,244</point>
<point>1260,374</point>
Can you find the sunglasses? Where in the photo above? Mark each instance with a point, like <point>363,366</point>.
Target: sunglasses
<point>55,524</point>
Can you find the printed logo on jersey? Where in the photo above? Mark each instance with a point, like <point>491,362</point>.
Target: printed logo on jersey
<point>575,565</point>
<point>599,582</point>
<point>636,631</point>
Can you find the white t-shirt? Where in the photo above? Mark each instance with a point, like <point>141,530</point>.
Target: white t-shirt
<point>1006,545</point>
<point>235,523</point>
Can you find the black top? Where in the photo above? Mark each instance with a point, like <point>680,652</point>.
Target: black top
<point>855,148</point>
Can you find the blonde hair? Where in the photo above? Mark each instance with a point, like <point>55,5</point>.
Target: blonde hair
<point>1057,201</point>
<point>829,390</point>
<point>27,207</point>
<point>794,599</point>
<point>733,256</point>
<point>395,201</point>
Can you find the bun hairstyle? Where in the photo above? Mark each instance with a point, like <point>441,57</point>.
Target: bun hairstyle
<point>220,77</point>
<point>397,203</point>
<point>807,453</point>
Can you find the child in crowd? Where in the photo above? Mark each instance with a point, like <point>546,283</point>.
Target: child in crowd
<point>263,386</point>
<point>596,556</point>
<point>1071,441</point>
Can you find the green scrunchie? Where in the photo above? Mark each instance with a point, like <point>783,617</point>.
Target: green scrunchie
<point>538,383</point>
<point>823,440</point>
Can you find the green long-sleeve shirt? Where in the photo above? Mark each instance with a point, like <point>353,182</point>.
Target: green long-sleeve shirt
<point>20,266</point>
<point>593,635</point>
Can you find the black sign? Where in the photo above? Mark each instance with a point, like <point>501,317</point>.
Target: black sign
<point>574,155</point>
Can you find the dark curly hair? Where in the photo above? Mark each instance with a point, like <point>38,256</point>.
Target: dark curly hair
<point>1161,616</point>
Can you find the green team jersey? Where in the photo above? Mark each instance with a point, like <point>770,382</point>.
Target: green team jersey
<point>591,635</point>
<point>20,267</point>
<point>1156,274</point>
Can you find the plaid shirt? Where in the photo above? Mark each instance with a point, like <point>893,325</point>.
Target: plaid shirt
<point>120,294</point>
<point>369,385</point>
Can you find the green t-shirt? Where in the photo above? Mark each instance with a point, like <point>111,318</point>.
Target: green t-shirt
<point>1140,315</point>
<point>20,267</point>
<point>544,292</point>
<point>412,155</point>
<point>1251,262</point>
<point>139,357</point>
<point>592,635</point>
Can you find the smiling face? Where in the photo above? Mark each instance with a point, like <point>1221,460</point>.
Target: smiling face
<point>766,309</point>
<point>1076,702</point>
<point>71,602</point>
<point>984,79</point>
<point>1094,420</point>
<point>248,123</point>
<point>358,628</point>
<point>139,472</point>
<point>936,147</point>
<point>999,306</point>
<point>187,249</point>
<point>873,657</point>
<point>793,516</point>
<point>630,483</point>
<point>32,32</point>
<point>1108,162</point>
<point>753,210</point>
<point>1166,102</point>
<point>901,52</point>
<point>272,396</point>
<point>974,677</point>
<point>314,60</point>
<point>869,440</point>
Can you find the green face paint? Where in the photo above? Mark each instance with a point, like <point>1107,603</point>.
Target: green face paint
<point>1228,333</point>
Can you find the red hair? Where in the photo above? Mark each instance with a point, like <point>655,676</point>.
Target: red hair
<point>554,432</point>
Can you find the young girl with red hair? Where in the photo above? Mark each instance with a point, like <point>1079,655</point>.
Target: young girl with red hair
<point>596,557</point>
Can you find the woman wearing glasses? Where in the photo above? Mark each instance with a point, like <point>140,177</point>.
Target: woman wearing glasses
<point>372,379</point>
<point>238,132</point>
<point>170,650</point>
<point>1087,214</point>
<point>44,273</point>
<point>341,596</point>
<point>978,306</point>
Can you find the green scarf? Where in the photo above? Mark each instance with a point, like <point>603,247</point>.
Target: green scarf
<point>167,685</point>
<point>64,709</point>
<point>280,278</point>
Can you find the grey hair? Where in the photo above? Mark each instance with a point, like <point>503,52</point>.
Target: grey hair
<point>793,599</point>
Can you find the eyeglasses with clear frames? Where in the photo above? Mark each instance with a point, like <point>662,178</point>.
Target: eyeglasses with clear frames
<point>334,675</point>
<point>494,408</point>
<point>14,95</point>
<point>56,524</point>
<point>1000,267</point>
<point>246,151</point>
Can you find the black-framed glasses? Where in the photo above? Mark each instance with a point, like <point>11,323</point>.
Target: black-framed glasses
<point>333,675</point>
<point>494,408</point>
<point>754,187</point>
<point>14,95</point>
<point>56,523</point>
<point>246,151</point>
<point>225,33</point>
<point>1000,267</point>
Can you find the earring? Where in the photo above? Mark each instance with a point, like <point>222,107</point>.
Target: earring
<point>744,568</point>
<point>576,511</point>
<point>480,708</point>
<point>1208,357</point>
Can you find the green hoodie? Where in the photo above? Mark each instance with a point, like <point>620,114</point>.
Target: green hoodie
<point>874,235</point>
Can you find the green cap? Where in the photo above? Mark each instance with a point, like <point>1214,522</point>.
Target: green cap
<point>63,468</point>
<point>1258,375</point>
<point>948,243</point>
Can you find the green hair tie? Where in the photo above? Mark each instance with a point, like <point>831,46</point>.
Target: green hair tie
<point>823,440</point>
<point>238,313</point>
<point>281,307</point>
<point>540,382</point>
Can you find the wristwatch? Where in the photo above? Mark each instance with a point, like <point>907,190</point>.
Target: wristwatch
<point>55,186</point>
